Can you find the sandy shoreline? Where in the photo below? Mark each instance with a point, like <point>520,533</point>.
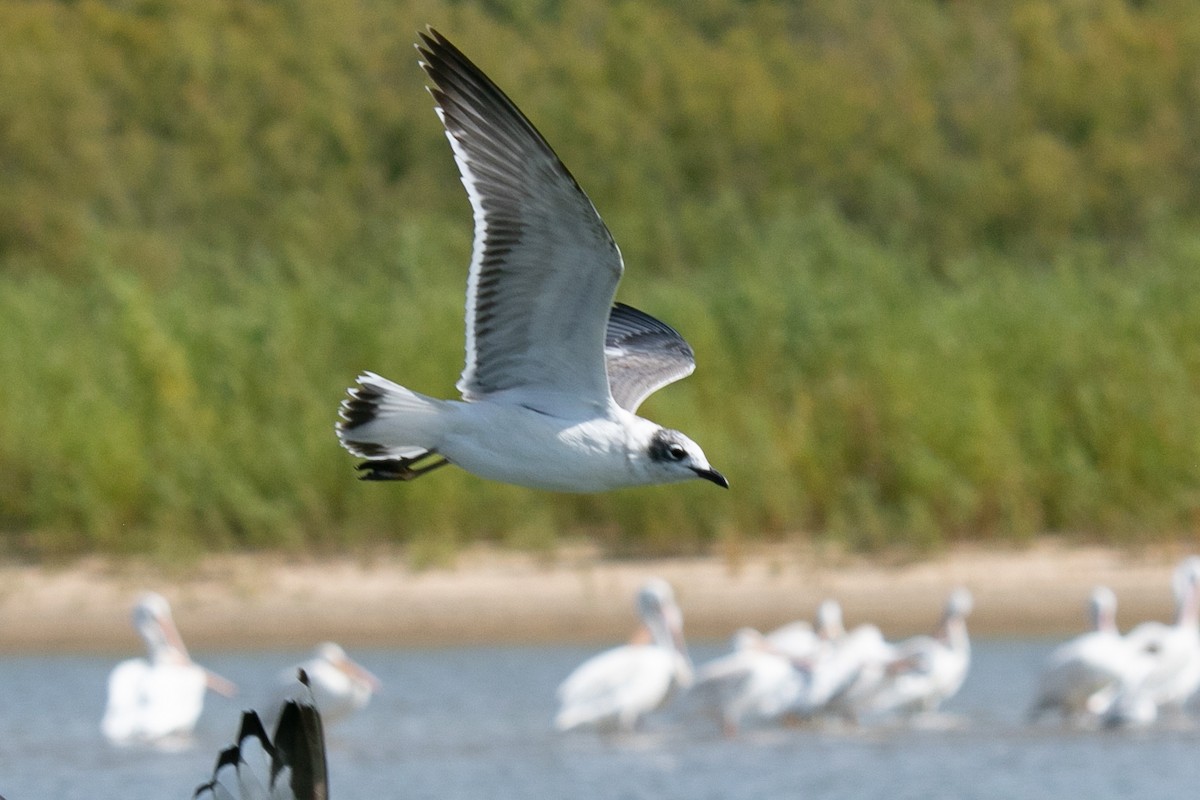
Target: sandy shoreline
<point>237,602</point>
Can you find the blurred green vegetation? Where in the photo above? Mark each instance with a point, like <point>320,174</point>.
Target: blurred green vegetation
<point>938,262</point>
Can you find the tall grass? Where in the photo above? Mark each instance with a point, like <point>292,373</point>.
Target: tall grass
<point>848,393</point>
<point>937,261</point>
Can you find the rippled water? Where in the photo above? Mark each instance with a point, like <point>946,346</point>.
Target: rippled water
<point>475,723</point>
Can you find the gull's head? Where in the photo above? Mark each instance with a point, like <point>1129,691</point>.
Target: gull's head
<point>670,457</point>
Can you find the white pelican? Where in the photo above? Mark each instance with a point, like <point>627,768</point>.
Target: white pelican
<point>843,666</point>
<point>926,671</point>
<point>618,687</point>
<point>1083,676</point>
<point>1172,652</point>
<point>291,765</point>
<point>339,685</point>
<point>795,639</point>
<point>155,698</point>
<point>756,681</point>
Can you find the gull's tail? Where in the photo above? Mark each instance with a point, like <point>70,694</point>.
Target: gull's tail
<point>383,420</point>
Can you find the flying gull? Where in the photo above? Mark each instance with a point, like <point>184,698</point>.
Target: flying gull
<point>555,371</point>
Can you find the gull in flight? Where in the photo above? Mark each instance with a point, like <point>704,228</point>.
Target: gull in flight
<point>555,371</point>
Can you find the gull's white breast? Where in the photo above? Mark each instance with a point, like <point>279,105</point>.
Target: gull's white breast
<point>510,442</point>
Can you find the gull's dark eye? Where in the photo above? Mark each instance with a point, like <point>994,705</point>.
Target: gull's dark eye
<point>666,446</point>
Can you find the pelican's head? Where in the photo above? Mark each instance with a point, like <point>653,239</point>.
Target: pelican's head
<point>954,619</point>
<point>749,639</point>
<point>657,607</point>
<point>656,600</point>
<point>960,604</point>
<point>661,614</point>
<point>829,620</point>
<point>1185,585</point>
<point>670,457</point>
<point>153,621</point>
<point>1102,608</point>
<point>360,676</point>
<point>328,651</point>
<point>1186,576</point>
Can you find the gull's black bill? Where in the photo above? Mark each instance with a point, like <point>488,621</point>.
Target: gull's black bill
<point>712,475</point>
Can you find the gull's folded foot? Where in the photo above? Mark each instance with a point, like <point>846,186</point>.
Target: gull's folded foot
<point>398,469</point>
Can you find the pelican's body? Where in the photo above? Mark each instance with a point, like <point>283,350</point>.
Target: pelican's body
<point>1170,655</point>
<point>926,671</point>
<point>1175,649</point>
<point>843,670</point>
<point>841,666</point>
<point>617,688</point>
<point>339,685</point>
<point>149,702</point>
<point>161,696</point>
<point>1083,676</point>
<point>754,682</point>
<point>795,639</point>
<point>1175,662</point>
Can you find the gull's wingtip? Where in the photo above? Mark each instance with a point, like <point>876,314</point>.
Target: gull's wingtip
<point>432,40</point>
<point>426,39</point>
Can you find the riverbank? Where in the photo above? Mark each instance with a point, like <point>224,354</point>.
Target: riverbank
<point>246,601</point>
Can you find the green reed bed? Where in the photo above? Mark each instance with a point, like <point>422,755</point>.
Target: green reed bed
<point>847,392</point>
<point>937,261</point>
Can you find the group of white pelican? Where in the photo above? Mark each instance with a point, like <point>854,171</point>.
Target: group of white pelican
<point>797,672</point>
<point>803,671</point>
<point>157,700</point>
<point>1102,678</point>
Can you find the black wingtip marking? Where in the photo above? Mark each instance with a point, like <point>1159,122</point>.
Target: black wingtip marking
<point>361,407</point>
<point>365,449</point>
<point>468,99</point>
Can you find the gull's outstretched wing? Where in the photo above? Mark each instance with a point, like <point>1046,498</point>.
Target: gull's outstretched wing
<point>544,267</point>
<point>643,356</point>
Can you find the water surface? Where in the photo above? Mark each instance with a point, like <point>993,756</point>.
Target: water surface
<point>475,723</point>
